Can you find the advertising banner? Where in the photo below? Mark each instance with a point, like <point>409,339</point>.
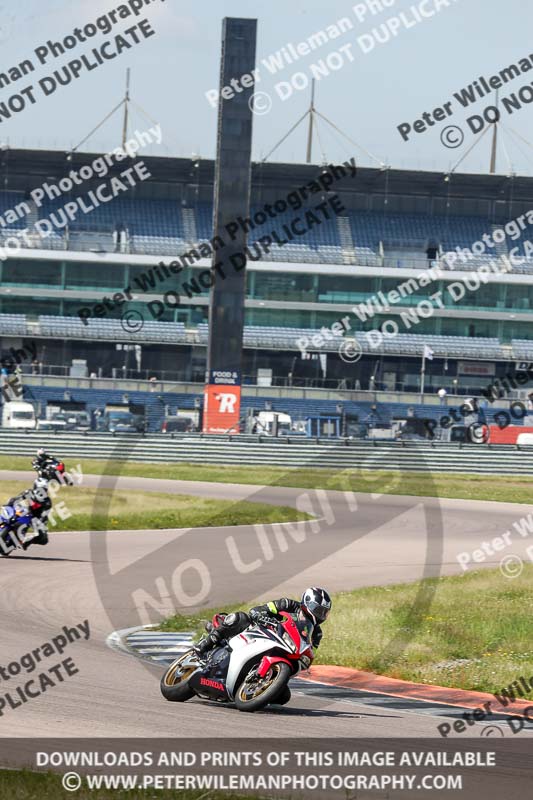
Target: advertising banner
<point>222,406</point>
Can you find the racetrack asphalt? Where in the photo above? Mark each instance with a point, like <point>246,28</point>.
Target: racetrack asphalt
<point>361,540</point>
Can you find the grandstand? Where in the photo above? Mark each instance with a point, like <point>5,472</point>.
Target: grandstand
<point>263,337</point>
<point>395,225</point>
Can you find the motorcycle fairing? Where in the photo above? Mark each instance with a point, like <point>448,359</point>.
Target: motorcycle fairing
<point>11,518</point>
<point>210,681</point>
<point>247,647</point>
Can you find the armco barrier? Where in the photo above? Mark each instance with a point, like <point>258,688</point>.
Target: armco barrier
<point>291,453</point>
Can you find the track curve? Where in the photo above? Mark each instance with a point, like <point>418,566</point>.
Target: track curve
<point>113,695</point>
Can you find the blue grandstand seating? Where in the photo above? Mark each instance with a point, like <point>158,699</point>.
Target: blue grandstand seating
<point>110,329</point>
<point>406,343</point>
<point>265,337</point>
<point>158,227</point>
<point>9,200</point>
<point>13,324</point>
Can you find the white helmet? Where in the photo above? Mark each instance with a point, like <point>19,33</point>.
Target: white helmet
<point>316,603</point>
<point>40,488</point>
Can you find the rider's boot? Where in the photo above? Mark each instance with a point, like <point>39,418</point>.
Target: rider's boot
<point>206,644</point>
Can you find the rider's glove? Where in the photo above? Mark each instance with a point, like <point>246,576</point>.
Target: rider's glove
<point>261,618</point>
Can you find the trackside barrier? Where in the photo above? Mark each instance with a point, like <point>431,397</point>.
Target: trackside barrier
<point>284,452</point>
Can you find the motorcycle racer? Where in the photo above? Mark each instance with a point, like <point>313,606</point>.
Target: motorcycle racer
<point>315,606</point>
<point>38,502</point>
<point>37,499</point>
<point>40,459</point>
<point>250,666</point>
<point>49,467</point>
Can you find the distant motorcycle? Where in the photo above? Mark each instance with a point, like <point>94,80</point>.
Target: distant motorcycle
<point>15,521</point>
<point>53,469</point>
<point>251,669</point>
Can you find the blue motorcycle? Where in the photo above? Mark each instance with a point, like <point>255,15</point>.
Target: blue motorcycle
<point>15,521</point>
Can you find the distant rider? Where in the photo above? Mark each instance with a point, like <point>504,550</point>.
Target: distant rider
<point>44,464</point>
<point>37,499</point>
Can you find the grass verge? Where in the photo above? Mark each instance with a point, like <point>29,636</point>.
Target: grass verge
<point>501,488</point>
<point>477,635</point>
<point>132,510</point>
<point>26,785</point>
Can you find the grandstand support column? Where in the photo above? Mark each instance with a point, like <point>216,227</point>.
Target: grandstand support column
<point>231,202</point>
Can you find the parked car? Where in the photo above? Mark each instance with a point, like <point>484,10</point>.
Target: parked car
<point>177,425</point>
<point>77,420</point>
<point>121,422</point>
<point>55,423</point>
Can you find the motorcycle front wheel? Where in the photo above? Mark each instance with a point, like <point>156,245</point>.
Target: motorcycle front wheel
<point>255,692</point>
<point>174,683</point>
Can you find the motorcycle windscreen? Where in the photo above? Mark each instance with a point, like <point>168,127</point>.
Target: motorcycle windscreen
<point>305,629</point>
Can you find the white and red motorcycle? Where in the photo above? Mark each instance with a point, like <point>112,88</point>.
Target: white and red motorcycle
<point>251,669</point>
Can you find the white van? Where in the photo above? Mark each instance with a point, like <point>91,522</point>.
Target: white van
<point>265,423</point>
<point>17,414</point>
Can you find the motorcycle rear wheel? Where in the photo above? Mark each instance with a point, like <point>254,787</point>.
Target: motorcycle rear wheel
<point>255,693</point>
<point>174,683</point>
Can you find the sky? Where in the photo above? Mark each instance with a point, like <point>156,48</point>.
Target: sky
<point>373,86</point>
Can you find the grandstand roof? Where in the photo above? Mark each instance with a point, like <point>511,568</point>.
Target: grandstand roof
<point>23,169</point>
